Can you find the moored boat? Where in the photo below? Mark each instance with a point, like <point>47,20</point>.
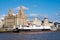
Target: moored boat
<point>33,28</point>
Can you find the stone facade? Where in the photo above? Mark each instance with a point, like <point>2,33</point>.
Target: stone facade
<point>47,23</point>
<point>36,21</point>
<point>44,23</point>
<point>18,19</point>
<point>9,20</point>
<point>1,23</point>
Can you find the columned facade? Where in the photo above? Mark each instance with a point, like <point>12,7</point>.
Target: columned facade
<point>20,18</point>
<point>9,20</point>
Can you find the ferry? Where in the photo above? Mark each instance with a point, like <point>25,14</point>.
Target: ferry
<point>31,27</point>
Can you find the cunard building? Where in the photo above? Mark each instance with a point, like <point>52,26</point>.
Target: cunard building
<point>10,20</point>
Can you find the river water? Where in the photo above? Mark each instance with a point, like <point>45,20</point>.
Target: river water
<point>31,36</point>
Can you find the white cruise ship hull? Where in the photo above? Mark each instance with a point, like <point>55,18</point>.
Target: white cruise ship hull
<point>33,28</point>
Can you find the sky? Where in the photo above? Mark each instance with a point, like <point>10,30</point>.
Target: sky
<point>32,8</point>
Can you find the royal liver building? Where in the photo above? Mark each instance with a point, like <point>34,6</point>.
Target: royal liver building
<point>10,20</point>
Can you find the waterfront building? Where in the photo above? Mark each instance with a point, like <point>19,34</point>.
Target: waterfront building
<point>20,18</point>
<point>36,21</point>
<point>47,23</point>
<point>9,20</point>
<point>1,23</point>
<point>57,25</point>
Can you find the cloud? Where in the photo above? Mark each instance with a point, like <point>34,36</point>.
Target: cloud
<point>14,14</point>
<point>37,15</point>
<point>18,8</point>
<point>58,14</point>
<point>25,8</point>
<point>32,14</point>
<point>2,17</point>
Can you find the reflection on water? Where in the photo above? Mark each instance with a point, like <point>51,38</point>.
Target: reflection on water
<point>37,36</point>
